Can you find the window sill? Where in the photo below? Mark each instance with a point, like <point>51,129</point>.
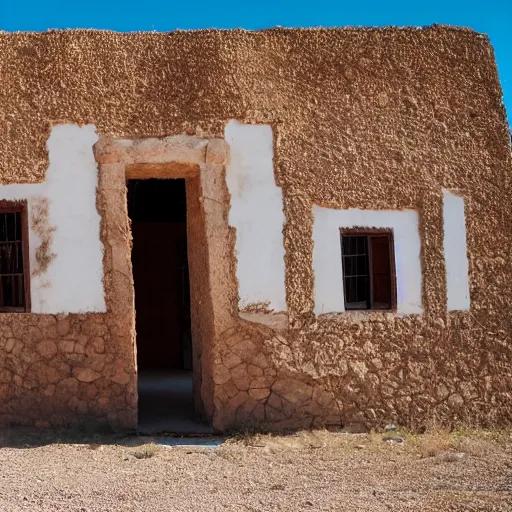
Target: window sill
<point>276,321</point>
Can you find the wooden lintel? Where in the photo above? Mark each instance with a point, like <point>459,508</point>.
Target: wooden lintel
<point>161,171</point>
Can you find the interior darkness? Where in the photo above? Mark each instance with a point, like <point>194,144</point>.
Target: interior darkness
<point>157,209</point>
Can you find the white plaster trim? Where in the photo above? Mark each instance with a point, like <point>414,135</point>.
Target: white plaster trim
<point>455,252</point>
<point>327,263</point>
<point>73,281</point>
<point>256,212</point>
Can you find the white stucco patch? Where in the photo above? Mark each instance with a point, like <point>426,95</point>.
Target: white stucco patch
<point>455,253</point>
<point>257,215</point>
<point>73,281</point>
<point>327,263</point>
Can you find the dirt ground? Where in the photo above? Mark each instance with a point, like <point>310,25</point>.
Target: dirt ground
<point>311,471</point>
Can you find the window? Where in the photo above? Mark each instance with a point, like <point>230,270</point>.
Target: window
<point>368,269</point>
<point>14,273</point>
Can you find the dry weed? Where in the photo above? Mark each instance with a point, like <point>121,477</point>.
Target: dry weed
<point>433,444</point>
<point>146,451</point>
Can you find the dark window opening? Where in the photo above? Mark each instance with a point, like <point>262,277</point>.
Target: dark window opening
<point>13,253</point>
<point>368,270</point>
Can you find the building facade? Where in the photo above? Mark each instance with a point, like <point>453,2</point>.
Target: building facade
<point>340,241</point>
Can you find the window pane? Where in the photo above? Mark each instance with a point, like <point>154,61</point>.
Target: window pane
<point>349,290</point>
<point>361,245</point>
<point>345,246</point>
<point>12,280</point>
<point>362,265</point>
<point>355,271</point>
<point>3,227</point>
<point>381,272</point>
<point>367,271</point>
<point>17,227</point>
<point>11,222</point>
<point>19,258</point>
<point>7,291</point>
<point>349,265</point>
<point>362,284</point>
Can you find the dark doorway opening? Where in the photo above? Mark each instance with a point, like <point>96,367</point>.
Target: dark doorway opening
<point>157,210</point>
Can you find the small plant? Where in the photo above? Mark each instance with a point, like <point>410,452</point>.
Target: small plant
<point>431,445</point>
<point>146,451</point>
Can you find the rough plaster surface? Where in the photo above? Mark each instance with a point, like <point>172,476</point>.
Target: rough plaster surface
<point>256,212</point>
<point>378,119</point>
<point>66,254</point>
<point>455,253</point>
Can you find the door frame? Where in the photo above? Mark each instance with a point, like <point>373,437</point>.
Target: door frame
<point>210,244</point>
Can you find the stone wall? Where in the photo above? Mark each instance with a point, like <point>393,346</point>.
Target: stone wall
<point>64,369</point>
<point>365,374</point>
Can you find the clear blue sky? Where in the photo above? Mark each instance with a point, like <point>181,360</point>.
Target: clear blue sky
<point>493,17</point>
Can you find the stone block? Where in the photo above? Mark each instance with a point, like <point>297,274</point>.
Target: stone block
<point>259,393</point>
<point>5,376</point>
<point>260,361</point>
<point>227,391</point>
<point>121,377</point>
<point>272,414</point>
<point>47,349</point>
<point>235,402</point>
<point>231,360</point>
<point>254,371</point>
<point>86,374</point>
<point>98,345</point>
<point>96,362</point>
<point>260,382</point>
<point>221,374</point>
<point>241,378</point>
<point>246,349</point>
<point>259,413</point>
<point>9,345</point>
<point>5,392</point>
<point>67,346</point>
<point>295,391</point>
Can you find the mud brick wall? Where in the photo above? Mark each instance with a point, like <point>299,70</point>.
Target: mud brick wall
<point>371,119</point>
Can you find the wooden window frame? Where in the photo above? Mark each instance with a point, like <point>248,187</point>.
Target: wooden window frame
<point>373,232</point>
<point>20,207</point>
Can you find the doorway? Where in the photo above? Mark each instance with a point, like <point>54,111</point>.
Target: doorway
<point>157,210</point>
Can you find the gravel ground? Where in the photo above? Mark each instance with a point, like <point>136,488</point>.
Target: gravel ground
<point>311,471</point>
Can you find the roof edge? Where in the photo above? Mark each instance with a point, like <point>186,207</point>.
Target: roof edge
<point>277,28</point>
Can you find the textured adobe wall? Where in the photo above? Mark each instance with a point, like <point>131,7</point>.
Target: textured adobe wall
<point>370,119</point>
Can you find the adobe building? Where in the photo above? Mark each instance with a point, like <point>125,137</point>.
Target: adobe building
<point>275,229</point>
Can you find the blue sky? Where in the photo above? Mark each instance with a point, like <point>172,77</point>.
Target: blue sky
<point>493,17</point>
